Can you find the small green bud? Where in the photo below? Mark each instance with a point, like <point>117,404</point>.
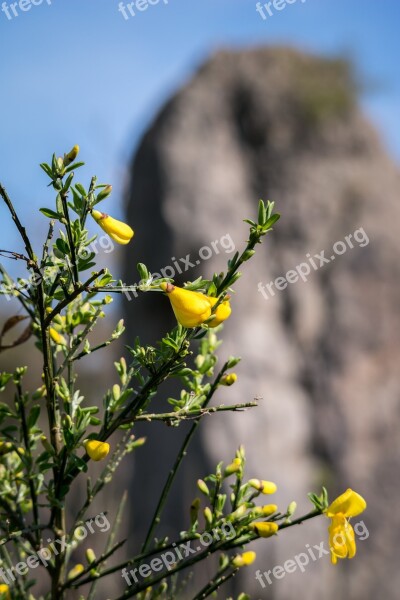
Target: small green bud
<point>194,510</point>
<point>105,192</point>
<point>248,254</point>
<point>90,556</point>
<point>203,487</point>
<point>208,515</point>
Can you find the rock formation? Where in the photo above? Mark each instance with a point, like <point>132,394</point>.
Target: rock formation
<point>322,353</point>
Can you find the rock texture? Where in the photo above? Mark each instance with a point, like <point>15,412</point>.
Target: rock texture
<point>323,354</point>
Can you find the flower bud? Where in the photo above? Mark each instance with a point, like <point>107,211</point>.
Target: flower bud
<point>71,156</point>
<point>291,509</point>
<point>57,337</point>
<point>77,570</point>
<point>90,556</point>
<point>265,487</point>
<point>228,379</point>
<point>46,444</point>
<point>248,254</point>
<point>194,510</point>
<point>265,528</point>
<point>117,230</point>
<point>208,515</point>
<point>238,513</point>
<point>234,467</point>
<point>203,487</point>
<point>5,448</point>
<point>104,193</point>
<point>97,450</point>
<point>268,509</point>
<point>244,560</point>
<point>5,592</point>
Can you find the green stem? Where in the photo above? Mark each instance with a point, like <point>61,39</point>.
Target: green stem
<point>173,472</point>
<point>71,297</point>
<point>70,238</point>
<point>216,582</point>
<point>184,415</point>
<point>25,433</point>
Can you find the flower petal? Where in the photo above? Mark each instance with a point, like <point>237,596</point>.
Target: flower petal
<point>348,504</point>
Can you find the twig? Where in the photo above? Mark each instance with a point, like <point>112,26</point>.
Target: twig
<point>184,415</point>
<point>182,453</point>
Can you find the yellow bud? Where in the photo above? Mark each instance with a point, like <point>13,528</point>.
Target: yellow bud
<point>71,156</point>
<point>97,450</point>
<point>4,592</point>
<point>265,487</point>
<point>234,467</point>
<point>269,509</point>
<point>191,309</point>
<point>265,528</point>
<point>57,337</point>
<point>5,448</point>
<point>117,230</point>
<point>244,560</point>
<point>77,570</point>
<point>222,312</point>
<point>228,379</point>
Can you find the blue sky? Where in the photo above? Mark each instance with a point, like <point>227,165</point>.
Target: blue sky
<point>75,71</point>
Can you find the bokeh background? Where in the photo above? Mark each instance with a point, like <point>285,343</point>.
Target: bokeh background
<point>322,354</point>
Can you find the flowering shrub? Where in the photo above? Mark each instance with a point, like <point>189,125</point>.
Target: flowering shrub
<point>49,436</point>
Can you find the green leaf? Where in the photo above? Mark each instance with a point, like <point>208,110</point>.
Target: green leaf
<point>79,187</point>
<point>47,169</point>
<point>33,416</point>
<point>74,166</point>
<point>51,214</point>
<point>262,213</point>
<point>59,204</point>
<point>271,221</point>
<point>143,272</point>
<point>62,246</point>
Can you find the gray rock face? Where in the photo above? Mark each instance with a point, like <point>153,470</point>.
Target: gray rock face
<point>322,353</point>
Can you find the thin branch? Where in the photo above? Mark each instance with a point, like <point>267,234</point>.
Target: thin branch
<point>185,415</point>
<point>182,453</point>
<point>71,297</point>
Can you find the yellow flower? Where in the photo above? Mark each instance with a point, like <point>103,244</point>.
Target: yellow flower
<point>117,230</point>
<point>341,534</point>
<point>77,570</point>
<point>71,156</point>
<point>4,592</point>
<point>265,528</point>
<point>97,450</point>
<point>245,559</point>
<point>228,379</point>
<point>191,308</point>
<point>221,314</point>
<point>57,337</point>
<point>265,487</point>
